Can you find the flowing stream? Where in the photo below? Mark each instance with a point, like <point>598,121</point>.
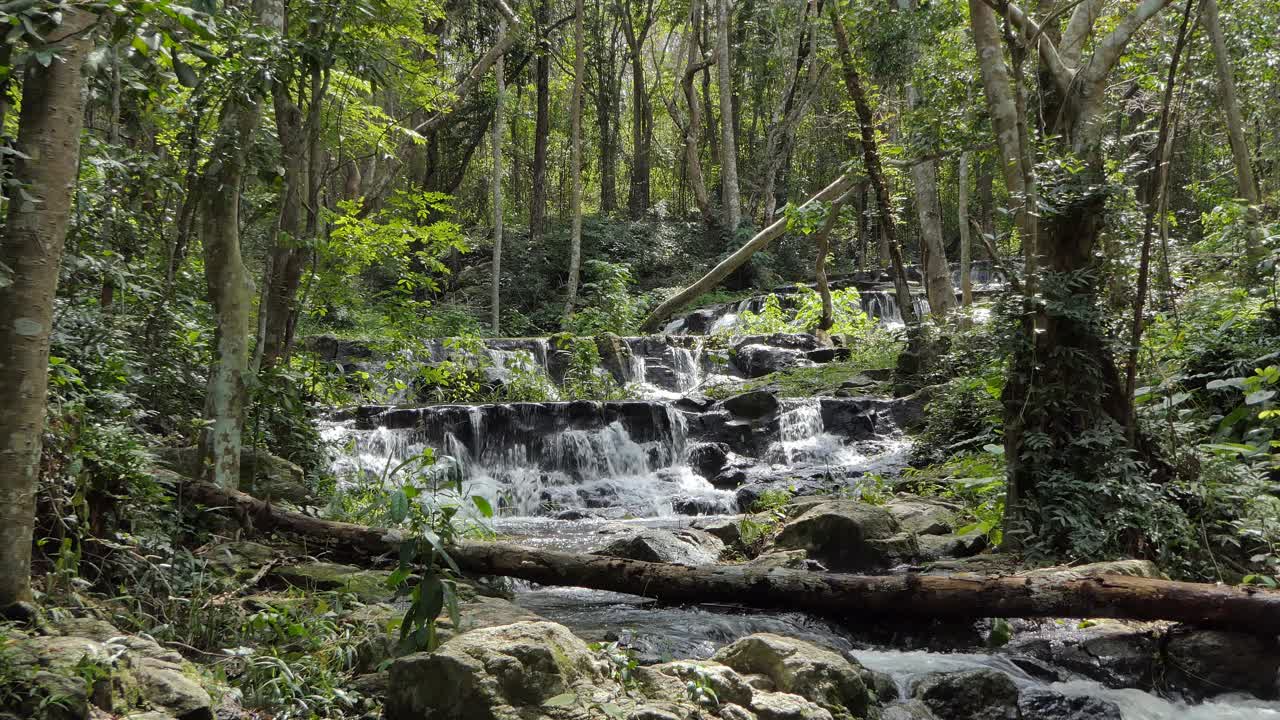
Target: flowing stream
<point>573,475</point>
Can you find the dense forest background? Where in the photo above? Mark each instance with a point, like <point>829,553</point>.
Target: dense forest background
<point>194,196</point>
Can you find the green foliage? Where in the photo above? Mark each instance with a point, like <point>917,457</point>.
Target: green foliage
<point>964,414</point>
<point>608,305</point>
<point>585,379</point>
<point>975,481</point>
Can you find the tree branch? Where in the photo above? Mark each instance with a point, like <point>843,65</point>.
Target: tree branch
<point>1033,33</point>
<point>1096,69</point>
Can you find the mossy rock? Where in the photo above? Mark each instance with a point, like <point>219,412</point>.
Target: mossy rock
<point>367,585</point>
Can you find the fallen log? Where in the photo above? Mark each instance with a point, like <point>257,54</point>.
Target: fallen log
<point>1249,610</point>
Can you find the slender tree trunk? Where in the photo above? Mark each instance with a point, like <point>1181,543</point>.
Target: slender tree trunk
<point>542,131</point>
<point>730,196</point>
<point>962,217</point>
<point>1246,186</point>
<point>638,199</point>
<point>1157,178</point>
<point>575,156</point>
<point>823,242</point>
<point>495,295</point>
<point>35,231</point>
<point>692,130</point>
<point>230,288</point>
<point>875,172</point>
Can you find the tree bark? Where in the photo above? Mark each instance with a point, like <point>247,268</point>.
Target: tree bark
<point>726,267</point>
<point>823,242</point>
<point>35,232</point>
<point>230,288</point>
<point>495,293</point>
<point>1246,186</point>
<point>962,217</point>
<point>692,129</point>
<point>638,199</point>
<point>542,129</point>
<point>729,194</point>
<point>871,160</point>
<point>575,157</point>
<point>1248,610</point>
<point>1000,103</point>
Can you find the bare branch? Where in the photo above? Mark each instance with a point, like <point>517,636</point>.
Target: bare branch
<point>1079,28</point>
<point>1096,69</point>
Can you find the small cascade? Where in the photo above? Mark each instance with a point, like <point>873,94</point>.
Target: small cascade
<point>687,366</point>
<point>538,459</point>
<point>882,305</point>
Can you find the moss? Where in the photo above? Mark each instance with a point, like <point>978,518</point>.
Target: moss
<point>815,381</point>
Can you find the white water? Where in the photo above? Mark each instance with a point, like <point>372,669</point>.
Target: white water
<point>905,667</point>
<point>804,439</point>
<point>573,469</point>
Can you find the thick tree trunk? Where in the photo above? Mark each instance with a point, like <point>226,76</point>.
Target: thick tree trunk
<point>1000,103</point>
<point>575,157</point>
<point>730,197</point>
<point>495,294</point>
<point>638,199</point>
<point>692,129</point>
<point>48,147</point>
<point>542,131</point>
<point>829,594</point>
<point>823,241</point>
<point>726,267</point>
<point>1246,186</point>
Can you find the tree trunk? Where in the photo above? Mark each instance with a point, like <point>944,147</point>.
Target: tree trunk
<point>1250,610</point>
<point>542,131</point>
<point>495,294</point>
<point>726,267</point>
<point>638,200</point>
<point>823,242</point>
<point>693,127</point>
<point>871,160</point>
<point>575,157</point>
<point>996,85</point>
<point>962,218</point>
<point>730,196</point>
<point>48,147</point>
<point>1245,183</point>
<point>230,288</point>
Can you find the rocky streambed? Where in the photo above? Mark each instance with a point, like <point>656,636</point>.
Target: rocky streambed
<point>682,478</point>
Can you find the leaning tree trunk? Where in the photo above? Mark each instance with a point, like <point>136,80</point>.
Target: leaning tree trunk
<point>837,595</point>
<point>48,147</point>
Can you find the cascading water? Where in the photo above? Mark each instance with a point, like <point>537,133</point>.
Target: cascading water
<point>543,468</point>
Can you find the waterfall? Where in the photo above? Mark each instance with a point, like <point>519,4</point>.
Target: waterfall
<point>686,364</point>
<point>537,459</point>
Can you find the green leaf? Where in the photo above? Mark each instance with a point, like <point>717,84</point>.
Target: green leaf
<point>562,700</point>
<point>399,506</point>
<point>1259,397</point>
<point>186,76</point>
<point>482,505</point>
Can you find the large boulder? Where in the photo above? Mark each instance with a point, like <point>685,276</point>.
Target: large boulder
<point>921,516</point>
<point>683,547</point>
<point>262,474</point>
<point>708,459</point>
<point>847,535</point>
<point>782,706</point>
<point>907,710</point>
<point>757,360</point>
<point>1040,704</point>
<point>498,673</point>
<point>981,694</point>
<point>1114,653</point>
<point>672,678</point>
<point>752,404</point>
<point>1209,662</point>
<point>802,668</point>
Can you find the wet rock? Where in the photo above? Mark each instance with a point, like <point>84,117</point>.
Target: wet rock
<point>728,530</point>
<point>238,557</point>
<point>729,711</point>
<point>1115,654</point>
<point>828,354</point>
<point>694,403</point>
<point>800,667</point>
<point>574,515</point>
<point>683,547</point>
<point>753,404</point>
<point>881,684</point>
<point>755,361</point>
<point>1210,662</point>
<point>854,418</point>
<point>695,505</point>
<point>368,585</point>
<point>936,547</point>
<point>981,694</point>
<point>781,706</point>
<point>707,459</point>
<point>921,516</point>
<point>907,710</point>
<point>490,674</point>
<point>845,535</point>
<point>1039,704</point>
